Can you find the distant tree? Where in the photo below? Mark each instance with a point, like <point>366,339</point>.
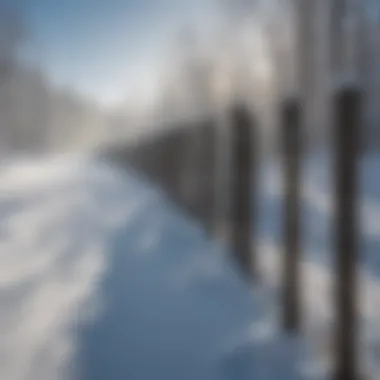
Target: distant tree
<point>12,33</point>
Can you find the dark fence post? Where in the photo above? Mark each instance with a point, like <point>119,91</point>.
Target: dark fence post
<point>347,141</point>
<point>192,164</point>
<point>290,119</point>
<point>207,175</point>
<point>166,174</point>
<point>171,161</point>
<point>241,189</point>
<point>176,160</point>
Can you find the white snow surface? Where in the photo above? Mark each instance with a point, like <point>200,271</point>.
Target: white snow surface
<point>101,278</point>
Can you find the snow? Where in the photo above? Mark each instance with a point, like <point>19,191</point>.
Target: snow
<point>101,278</point>
<point>317,249</point>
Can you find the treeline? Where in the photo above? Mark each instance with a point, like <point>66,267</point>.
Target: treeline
<point>36,117</point>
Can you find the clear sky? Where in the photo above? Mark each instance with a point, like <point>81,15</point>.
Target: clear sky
<point>106,48</point>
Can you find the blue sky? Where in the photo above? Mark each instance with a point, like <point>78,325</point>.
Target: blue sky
<point>104,48</point>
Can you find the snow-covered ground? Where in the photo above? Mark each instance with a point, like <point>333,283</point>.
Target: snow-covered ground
<point>102,278</point>
<point>317,249</point>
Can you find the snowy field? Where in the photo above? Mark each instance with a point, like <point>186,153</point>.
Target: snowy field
<point>101,278</point>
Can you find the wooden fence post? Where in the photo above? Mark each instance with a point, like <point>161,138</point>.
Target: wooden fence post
<point>192,166</point>
<point>207,175</point>
<point>347,142</point>
<point>242,189</point>
<point>290,119</point>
